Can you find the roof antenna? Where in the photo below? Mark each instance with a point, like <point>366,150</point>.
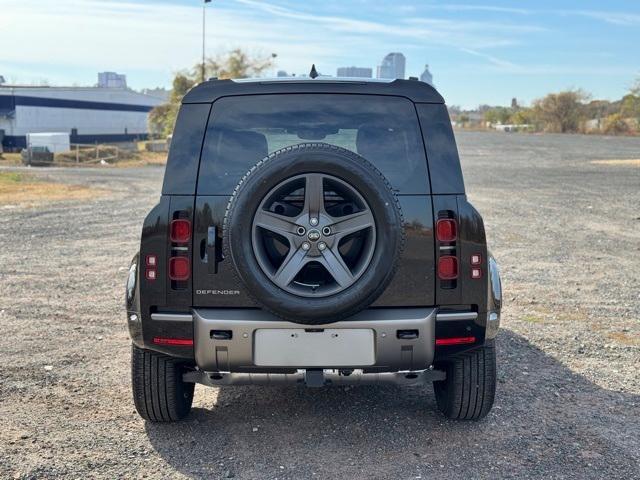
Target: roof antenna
<point>313,73</point>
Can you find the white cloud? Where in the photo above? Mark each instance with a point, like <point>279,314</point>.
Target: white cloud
<point>482,8</point>
<point>614,18</point>
<point>130,36</point>
<point>59,39</point>
<point>492,60</point>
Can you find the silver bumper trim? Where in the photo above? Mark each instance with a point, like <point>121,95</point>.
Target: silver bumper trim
<point>404,338</point>
<point>457,316</point>
<point>326,378</point>
<point>172,317</point>
<point>185,317</point>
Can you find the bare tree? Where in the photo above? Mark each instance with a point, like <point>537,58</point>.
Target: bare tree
<point>235,64</point>
<point>561,112</point>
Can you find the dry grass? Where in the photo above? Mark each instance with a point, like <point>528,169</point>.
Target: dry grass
<point>141,159</point>
<point>21,190</point>
<point>126,160</point>
<point>10,159</point>
<point>623,338</point>
<point>631,162</point>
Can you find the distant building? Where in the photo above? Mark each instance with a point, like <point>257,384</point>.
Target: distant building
<point>112,80</point>
<point>2,80</point>
<point>282,73</point>
<point>158,92</point>
<point>88,114</point>
<point>426,76</point>
<point>392,66</point>
<point>355,72</point>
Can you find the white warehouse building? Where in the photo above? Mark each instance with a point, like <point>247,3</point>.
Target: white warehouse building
<point>88,114</point>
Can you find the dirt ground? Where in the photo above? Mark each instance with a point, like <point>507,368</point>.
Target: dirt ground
<point>20,189</point>
<point>565,230</point>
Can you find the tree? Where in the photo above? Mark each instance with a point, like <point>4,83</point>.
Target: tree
<point>630,103</point>
<point>235,64</point>
<point>630,107</point>
<point>163,117</point>
<point>523,116</point>
<point>615,125</point>
<point>561,112</point>
<point>635,88</point>
<point>497,115</point>
<point>600,108</point>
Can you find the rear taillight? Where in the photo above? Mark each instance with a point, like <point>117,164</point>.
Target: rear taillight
<point>455,341</point>
<point>179,261</point>
<point>447,267</point>
<point>180,231</point>
<point>175,342</point>
<point>179,268</point>
<point>446,230</point>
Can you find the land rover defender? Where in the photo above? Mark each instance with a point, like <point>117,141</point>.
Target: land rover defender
<point>313,232</point>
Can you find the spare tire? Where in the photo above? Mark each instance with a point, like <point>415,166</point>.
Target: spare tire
<point>314,233</point>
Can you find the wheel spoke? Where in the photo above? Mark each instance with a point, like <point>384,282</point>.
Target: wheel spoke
<point>314,195</point>
<point>313,235</point>
<point>352,223</point>
<point>292,264</point>
<point>333,262</point>
<point>273,222</point>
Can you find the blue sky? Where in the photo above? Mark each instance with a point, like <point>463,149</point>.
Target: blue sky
<point>484,51</point>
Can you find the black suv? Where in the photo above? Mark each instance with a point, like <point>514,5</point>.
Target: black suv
<point>313,231</point>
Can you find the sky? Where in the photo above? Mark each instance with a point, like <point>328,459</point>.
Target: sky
<point>479,51</point>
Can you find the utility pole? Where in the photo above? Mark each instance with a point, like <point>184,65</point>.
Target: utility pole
<point>202,69</point>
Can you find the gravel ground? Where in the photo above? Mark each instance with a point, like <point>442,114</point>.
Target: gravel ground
<point>565,231</point>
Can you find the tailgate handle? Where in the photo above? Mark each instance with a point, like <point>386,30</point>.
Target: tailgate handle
<point>407,334</point>
<point>221,334</point>
<point>211,257</point>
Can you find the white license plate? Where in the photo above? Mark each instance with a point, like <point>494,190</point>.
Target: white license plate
<point>330,347</point>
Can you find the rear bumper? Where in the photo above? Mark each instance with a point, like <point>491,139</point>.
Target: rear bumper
<point>236,353</point>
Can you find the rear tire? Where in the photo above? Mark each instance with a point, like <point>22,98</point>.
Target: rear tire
<point>159,393</point>
<point>469,389</point>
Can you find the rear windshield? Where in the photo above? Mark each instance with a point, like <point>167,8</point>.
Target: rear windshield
<point>242,130</point>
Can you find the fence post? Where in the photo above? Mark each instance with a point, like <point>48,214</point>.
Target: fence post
<point>97,151</point>
<point>77,153</point>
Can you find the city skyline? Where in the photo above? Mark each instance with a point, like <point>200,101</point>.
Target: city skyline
<point>393,65</point>
<point>507,49</point>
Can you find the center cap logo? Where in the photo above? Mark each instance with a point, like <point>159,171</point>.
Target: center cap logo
<point>313,235</point>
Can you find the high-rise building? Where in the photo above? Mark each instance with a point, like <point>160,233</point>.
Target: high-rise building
<point>354,72</point>
<point>426,76</point>
<point>392,66</point>
<point>112,80</point>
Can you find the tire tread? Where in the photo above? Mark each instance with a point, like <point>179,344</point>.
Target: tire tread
<point>468,392</point>
<point>159,394</point>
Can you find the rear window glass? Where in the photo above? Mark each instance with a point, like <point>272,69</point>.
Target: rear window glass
<point>242,130</point>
